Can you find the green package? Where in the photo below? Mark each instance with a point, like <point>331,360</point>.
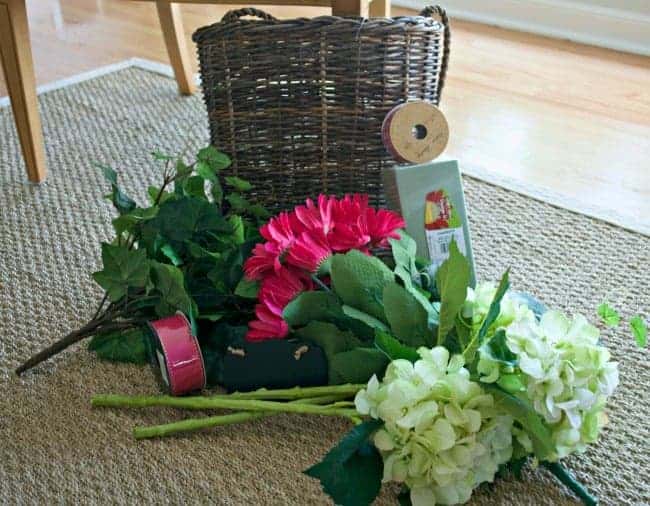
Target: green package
<point>430,198</point>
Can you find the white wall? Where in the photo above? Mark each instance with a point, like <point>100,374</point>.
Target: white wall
<point>623,25</point>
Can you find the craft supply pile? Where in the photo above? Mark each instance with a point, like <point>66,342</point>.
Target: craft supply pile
<point>339,307</point>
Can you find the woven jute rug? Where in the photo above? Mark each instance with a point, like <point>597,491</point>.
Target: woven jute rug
<point>54,448</point>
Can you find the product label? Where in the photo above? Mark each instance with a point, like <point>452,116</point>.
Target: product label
<point>442,225</point>
<point>163,367</point>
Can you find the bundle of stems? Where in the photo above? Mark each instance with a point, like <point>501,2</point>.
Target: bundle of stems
<point>247,406</point>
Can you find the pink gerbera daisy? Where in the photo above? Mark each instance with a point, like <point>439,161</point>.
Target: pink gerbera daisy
<point>264,259</point>
<point>382,225</point>
<point>310,251</point>
<point>267,326</point>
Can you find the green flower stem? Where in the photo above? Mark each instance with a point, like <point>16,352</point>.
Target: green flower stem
<point>567,479</point>
<point>199,402</point>
<point>194,424</point>
<point>218,403</point>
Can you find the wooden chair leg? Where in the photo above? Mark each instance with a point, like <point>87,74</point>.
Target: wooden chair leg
<point>174,35</point>
<point>380,9</point>
<point>350,8</point>
<point>16,56</point>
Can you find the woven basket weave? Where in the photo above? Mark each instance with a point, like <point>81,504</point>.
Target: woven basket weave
<point>298,104</point>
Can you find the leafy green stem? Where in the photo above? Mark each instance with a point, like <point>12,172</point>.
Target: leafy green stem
<point>567,479</point>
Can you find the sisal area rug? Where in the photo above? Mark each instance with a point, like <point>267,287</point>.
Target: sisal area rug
<point>55,449</point>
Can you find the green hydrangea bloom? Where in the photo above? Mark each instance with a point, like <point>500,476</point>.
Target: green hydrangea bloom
<point>442,435</point>
<point>559,365</point>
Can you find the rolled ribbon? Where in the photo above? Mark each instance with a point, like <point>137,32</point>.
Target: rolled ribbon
<point>415,132</point>
<point>178,354</point>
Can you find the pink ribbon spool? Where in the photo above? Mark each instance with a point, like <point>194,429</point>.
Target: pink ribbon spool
<point>179,356</point>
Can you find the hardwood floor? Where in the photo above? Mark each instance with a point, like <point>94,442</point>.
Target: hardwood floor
<point>570,118</point>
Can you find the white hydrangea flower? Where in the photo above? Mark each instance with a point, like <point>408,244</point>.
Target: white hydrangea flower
<point>442,436</point>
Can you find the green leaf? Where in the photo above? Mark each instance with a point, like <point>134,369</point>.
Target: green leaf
<point>160,156</point>
<point>371,321</point>
<point>194,186</point>
<point>310,306</point>
<point>205,171</point>
<point>328,337</point>
<point>522,411</point>
<point>239,184</point>
<point>356,366</point>
<point>171,254</point>
<point>169,281</point>
<point>393,349</point>
<point>121,345</point>
<point>404,252</point>
<point>497,349</point>
<point>238,203</point>
<point>452,280</point>
<point>247,289</point>
<point>351,472</point>
<point>122,269</point>
<point>153,192</point>
<point>608,315</point>
<point>217,192</point>
<point>494,309</point>
<point>238,232</point>
<point>185,218</point>
<point>359,281</point>
<point>407,318</point>
<point>129,221</point>
<point>640,330</point>
<point>122,202</point>
<point>323,306</point>
<point>215,158</point>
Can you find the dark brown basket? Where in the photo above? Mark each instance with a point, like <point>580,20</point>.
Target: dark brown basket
<point>298,104</point>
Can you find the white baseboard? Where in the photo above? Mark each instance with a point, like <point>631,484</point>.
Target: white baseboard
<point>610,27</point>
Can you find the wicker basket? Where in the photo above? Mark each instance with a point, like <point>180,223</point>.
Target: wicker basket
<point>298,104</point>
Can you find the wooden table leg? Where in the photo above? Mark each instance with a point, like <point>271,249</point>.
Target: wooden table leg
<point>350,8</point>
<point>380,9</point>
<point>172,28</point>
<point>16,56</point>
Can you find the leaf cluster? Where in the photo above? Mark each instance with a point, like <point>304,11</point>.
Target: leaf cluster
<point>184,251</point>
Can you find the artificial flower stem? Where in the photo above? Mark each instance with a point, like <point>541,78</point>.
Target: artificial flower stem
<point>568,480</point>
<point>347,390</point>
<point>218,403</point>
<point>194,424</point>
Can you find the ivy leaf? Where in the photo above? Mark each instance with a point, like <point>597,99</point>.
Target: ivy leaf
<point>239,184</point>
<point>238,203</point>
<point>214,158</point>
<point>608,315</point>
<point>356,366</point>
<point>183,219</point>
<point>123,269</point>
<point>169,281</point>
<point>522,411</point>
<point>247,289</point>
<point>393,349</point>
<point>127,222</point>
<point>121,346</point>
<point>122,202</point>
<point>640,330</point>
<point>452,280</point>
<point>407,318</point>
<point>238,232</point>
<point>359,281</point>
<point>205,171</point>
<point>351,472</point>
<point>194,186</point>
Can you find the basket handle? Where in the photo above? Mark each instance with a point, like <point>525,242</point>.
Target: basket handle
<point>430,12</point>
<point>234,15</point>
